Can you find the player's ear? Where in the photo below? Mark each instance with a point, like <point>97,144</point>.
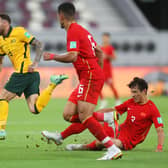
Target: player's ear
<point>145,91</point>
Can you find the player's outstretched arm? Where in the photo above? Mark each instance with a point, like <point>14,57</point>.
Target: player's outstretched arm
<point>160,134</point>
<point>39,50</point>
<point>68,57</point>
<point>99,55</point>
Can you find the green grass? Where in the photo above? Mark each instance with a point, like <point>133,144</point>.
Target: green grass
<point>19,149</point>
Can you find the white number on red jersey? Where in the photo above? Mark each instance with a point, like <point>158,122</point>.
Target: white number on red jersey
<point>133,118</point>
<point>92,43</point>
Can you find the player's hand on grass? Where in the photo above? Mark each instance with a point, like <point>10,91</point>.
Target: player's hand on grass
<point>159,148</point>
<point>32,67</point>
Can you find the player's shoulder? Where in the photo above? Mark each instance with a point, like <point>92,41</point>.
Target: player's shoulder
<point>131,100</point>
<point>152,105</point>
<point>18,29</point>
<point>77,28</point>
<point>111,47</point>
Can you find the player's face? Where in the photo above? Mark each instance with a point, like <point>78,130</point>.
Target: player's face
<point>105,39</point>
<point>1,26</point>
<point>61,20</point>
<point>137,95</point>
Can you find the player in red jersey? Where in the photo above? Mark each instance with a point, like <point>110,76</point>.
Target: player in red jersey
<point>86,57</point>
<point>141,113</point>
<point>109,56</point>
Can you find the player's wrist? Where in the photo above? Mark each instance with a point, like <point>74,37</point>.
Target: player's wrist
<point>160,147</point>
<point>51,56</point>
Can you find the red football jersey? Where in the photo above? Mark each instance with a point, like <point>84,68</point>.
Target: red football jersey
<point>109,51</point>
<point>79,39</point>
<point>139,119</point>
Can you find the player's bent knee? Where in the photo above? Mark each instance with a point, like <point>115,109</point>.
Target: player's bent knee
<point>34,110</point>
<point>82,116</point>
<point>67,117</point>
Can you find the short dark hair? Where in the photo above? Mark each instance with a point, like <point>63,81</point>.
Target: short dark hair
<point>68,10</point>
<point>5,17</point>
<point>106,34</point>
<point>141,83</point>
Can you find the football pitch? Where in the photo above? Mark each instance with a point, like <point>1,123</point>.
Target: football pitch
<point>24,146</point>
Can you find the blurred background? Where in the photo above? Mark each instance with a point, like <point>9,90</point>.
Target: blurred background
<point>139,34</point>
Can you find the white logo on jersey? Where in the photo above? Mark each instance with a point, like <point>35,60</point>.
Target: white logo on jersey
<point>133,118</point>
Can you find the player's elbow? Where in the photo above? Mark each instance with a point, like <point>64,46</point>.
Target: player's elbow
<point>38,44</point>
<point>73,56</point>
<point>160,131</point>
<point>74,59</point>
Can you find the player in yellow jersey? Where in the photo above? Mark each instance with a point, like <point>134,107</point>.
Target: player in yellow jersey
<point>15,42</point>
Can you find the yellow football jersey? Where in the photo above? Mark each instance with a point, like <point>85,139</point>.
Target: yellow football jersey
<point>17,46</point>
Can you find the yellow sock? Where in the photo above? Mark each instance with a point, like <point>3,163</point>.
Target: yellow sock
<point>3,113</point>
<point>44,98</point>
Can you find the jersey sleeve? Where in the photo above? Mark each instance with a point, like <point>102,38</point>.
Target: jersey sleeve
<point>122,108</point>
<point>25,36</point>
<point>2,53</point>
<point>111,52</point>
<point>72,41</point>
<point>156,117</point>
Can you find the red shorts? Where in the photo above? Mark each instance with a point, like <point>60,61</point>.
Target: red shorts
<point>87,90</point>
<point>124,138</point>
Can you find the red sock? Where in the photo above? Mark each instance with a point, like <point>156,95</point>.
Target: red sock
<point>98,116</point>
<point>74,128</point>
<point>75,119</point>
<point>97,130</point>
<point>92,145</point>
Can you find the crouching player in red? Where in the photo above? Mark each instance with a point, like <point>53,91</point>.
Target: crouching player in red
<point>141,113</point>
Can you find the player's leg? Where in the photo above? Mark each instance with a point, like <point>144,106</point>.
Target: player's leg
<point>45,96</point>
<point>5,97</point>
<point>70,111</point>
<point>70,114</point>
<point>111,117</point>
<point>88,97</point>
<point>85,110</point>
<point>94,145</point>
<point>37,102</point>
<point>12,88</point>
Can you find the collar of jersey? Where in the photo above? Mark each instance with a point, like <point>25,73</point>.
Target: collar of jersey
<point>9,32</point>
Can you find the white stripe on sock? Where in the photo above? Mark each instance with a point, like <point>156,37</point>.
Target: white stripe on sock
<point>105,140</point>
